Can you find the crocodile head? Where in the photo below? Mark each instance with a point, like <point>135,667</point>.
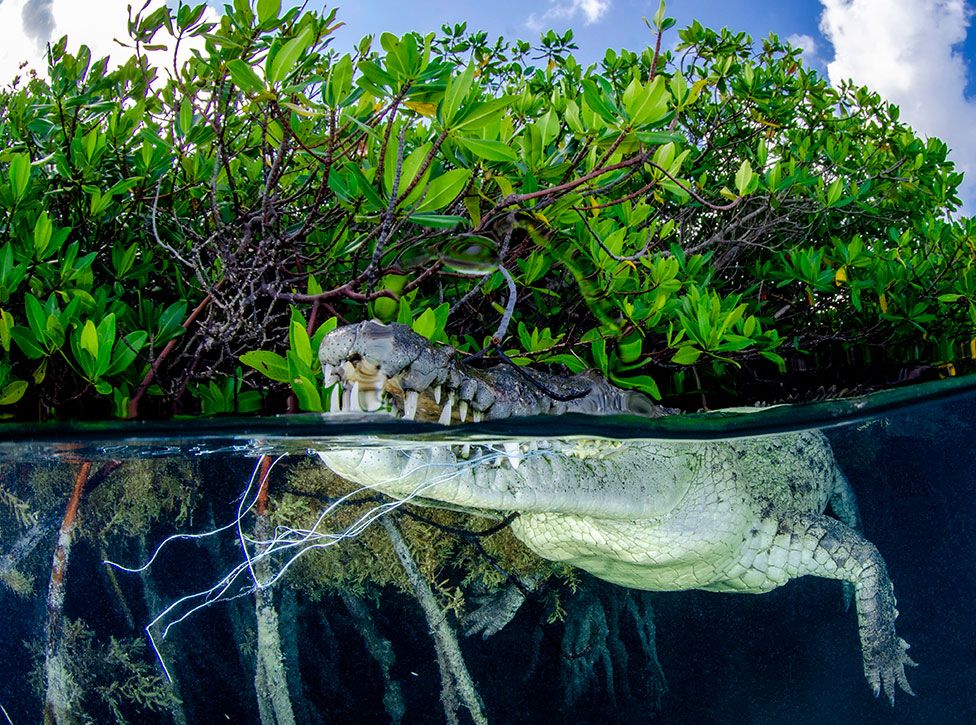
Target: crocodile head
<point>389,368</point>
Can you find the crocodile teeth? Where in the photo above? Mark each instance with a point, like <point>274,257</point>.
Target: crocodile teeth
<point>437,394</point>
<point>354,398</point>
<point>445,418</point>
<point>345,399</point>
<point>370,400</point>
<point>328,372</point>
<point>476,416</point>
<point>335,398</point>
<point>466,450</point>
<point>512,453</point>
<point>410,401</point>
<point>463,410</point>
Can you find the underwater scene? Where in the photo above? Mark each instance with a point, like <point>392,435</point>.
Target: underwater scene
<point>363,567</point>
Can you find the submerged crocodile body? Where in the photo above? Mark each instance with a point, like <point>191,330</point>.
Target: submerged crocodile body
<point>736,515</point>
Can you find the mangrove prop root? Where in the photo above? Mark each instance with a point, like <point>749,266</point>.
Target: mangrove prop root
<point>270,679</point>
<point>154,603</point>
<point>381,650</point>
<point>290,636</point>
<point>61,693</point>
<point>455,677</point>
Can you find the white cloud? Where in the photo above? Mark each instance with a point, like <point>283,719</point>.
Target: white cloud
<point>26,27</point>
<point>804,42</point>
<point>591,10</point>
<point>904,50</point>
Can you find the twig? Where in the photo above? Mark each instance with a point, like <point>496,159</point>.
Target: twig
<point>512,199</point>
<point>157,363</point>
<point>387,220</point>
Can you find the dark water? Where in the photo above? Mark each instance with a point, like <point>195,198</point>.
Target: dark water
<point>353,639</point>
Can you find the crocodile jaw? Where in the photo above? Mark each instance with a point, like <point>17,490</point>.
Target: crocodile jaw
<point>390,369</point>
<point>636,481</point>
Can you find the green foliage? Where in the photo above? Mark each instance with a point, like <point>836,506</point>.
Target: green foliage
<point>225,396</point>
<point>112,681</point>
<point>300,367</point>
<point>732,210</point>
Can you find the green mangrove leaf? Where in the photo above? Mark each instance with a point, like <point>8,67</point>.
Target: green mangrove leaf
<point>269,364</point>
<point>244,76</point>
<point>644,383</point>
<point>307,392</point>
<point>126,351</point>
<point>444,189</point>
<point>489,150</point>
<point>89,339</point>
<point>27,342</point>
<point>686,355</point>
<point>300,343</point>
<point>19,175</point>
<point>743,177</point>
<point>285,59</point>
<point>12,392</point>
<point>43,229</point>
<point>457,90</point>
<point>437,221</point>
<point>268,11</point>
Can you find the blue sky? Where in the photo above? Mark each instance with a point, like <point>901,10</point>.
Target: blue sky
<point>919,54</point>
<point>619,26</point>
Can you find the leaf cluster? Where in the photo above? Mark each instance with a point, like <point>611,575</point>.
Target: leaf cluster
<point>718,208</point>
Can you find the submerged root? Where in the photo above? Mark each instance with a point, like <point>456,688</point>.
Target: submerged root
<point>62,693</point>
<point>381,650</point>
<point>594,650</point>
<point>270,680</point>
<point>455,678</point>
<point>316,513</point>
<point>267,556</point>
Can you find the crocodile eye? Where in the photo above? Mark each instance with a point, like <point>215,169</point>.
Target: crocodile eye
<point>640,404</point>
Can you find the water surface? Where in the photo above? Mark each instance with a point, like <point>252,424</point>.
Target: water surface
<point>354,641</point>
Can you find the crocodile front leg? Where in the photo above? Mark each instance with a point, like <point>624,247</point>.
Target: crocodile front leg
<point>817,545</point>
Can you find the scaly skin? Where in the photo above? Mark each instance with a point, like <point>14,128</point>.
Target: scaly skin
<point>738,515</point>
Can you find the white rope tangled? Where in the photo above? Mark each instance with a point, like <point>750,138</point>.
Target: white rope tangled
<point>288,541</point>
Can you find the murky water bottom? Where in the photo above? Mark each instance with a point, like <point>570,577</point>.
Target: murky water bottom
<point>353,640</point>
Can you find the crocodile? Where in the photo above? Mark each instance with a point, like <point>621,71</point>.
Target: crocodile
<point>742,515</point>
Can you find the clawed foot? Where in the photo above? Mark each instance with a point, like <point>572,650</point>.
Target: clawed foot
<point>885,668</point>
<point>494,611</point>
